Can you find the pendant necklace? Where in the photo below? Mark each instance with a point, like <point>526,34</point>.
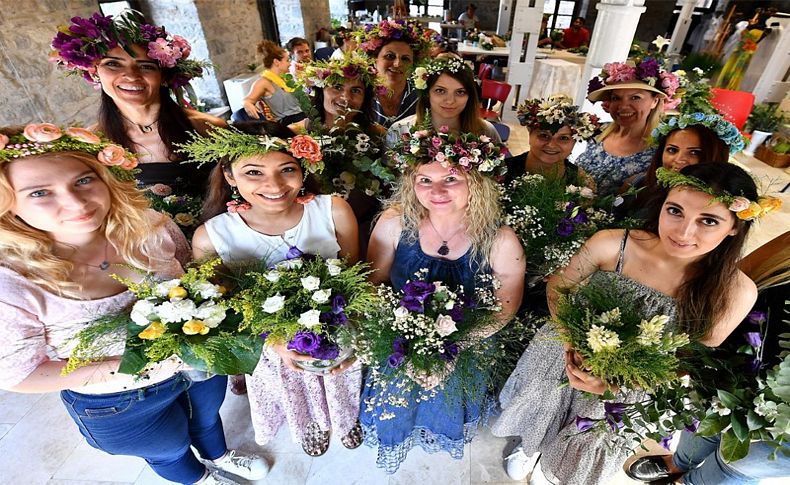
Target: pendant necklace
<point>444,249</point>
<point>104,265</point>
<point>143,128</point>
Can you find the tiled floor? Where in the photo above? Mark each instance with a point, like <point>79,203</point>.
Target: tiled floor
<point>39,444</point>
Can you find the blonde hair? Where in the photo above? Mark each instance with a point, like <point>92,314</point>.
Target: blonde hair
<point>29,251</point>
<point>653,120</point>
<point>483,212</point>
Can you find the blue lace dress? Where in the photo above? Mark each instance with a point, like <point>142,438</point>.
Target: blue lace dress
<point>609,171</point>
<point>444,422</point>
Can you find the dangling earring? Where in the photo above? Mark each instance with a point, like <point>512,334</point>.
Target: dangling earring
<point>238,204</point>
<point>304,196</point>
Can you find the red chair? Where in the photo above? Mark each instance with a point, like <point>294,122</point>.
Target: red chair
<point>493,91</point>
<point>734,106</point>
<point>484,71</point>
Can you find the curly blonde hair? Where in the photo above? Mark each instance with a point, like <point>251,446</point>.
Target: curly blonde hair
<point>29,251</point>
<point>483,212</point>
<point>653,120</point>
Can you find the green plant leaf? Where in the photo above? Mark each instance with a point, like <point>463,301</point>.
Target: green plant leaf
<point>733,449</point>
<point>133,361</point>
<point>754,421</point>
<point>712,425</point>
<point>739,427</point>
<point>728,399</point>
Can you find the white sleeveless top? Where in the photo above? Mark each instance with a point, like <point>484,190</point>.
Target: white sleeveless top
<point>235,241</point>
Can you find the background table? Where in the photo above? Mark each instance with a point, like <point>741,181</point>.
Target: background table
<point>468,50</point>
<point>554,76</point>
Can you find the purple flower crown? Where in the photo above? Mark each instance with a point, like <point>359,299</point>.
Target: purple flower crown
<point>465,151</point>
<point>373,37</point>
<point>646,70</point>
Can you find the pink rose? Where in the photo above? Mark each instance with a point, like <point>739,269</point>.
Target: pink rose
<point>445,325</point>
<point>739,204</point>
<point>183,45</point>
<point>671,103</point>
<point>112,155</point>
<point>440,157</point>
<point>669,83</point>
<point>129,162</point>
<point>163,52</point>
<point>3,141</point>
<point>161,190</point>
<point>42,132</point>
<point>83,135</point>
<point>304,146</point>
<point>619,72</point>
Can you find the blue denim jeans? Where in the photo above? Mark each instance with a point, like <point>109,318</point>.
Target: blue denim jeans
<point>694,449</point>
<point>157,423</point>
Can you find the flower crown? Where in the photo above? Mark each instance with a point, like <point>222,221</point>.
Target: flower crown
<point>333,72</point>
<point>465,151</point>
<point>38,138</point>
<point>744,208</point>
<point>555,112</point>
<point>436,66</point>
<point>235,144</point>
<point>645,70</point>
<point>78,47</point>
<point>373,37</point>
<point>726,131</point>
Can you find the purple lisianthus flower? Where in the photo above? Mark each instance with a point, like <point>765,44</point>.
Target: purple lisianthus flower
<point>614,414</point>
<point>692,428</point>
<point>326,350</point>
<point>395,360</point>
<point>666,441</point>
<point>647,68</point>
<point>87,27</point>
<point>149,32</point>
<point>594,85</point>
<point>338,303</point>
<point>457,313</point>
<point>179,80</point>
<point>754,365</point>
<point>757,317</point>
<point>335,319</point>
<point>580,218</point>
<point>399,345</point>
<point>350,72</point>
<point>569,207</point>
<point>293,253</point>
<point>753,338</point>
<point>584,424</point>
<point>305,342</point>
<point>412,304</point>
<point>565,227</point>
<point>450,351</point>
<point>418,289</point>
<point>264,335</point>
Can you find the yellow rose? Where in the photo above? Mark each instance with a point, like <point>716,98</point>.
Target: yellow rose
<point>769,204</point>
<point>153,331</point>
<point>194,327</point>
<point>752,212</point>
<point>177,293</point>
<point>184,219</point>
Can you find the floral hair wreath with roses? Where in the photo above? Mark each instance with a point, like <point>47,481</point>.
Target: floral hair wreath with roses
<point>744,208</point>
<point>555,112</point>
<point>78,47</point>
<point>643,73</point>
<point>373,37</point>
<point>465,151</point>
<point>335,72</point>
<point>726,131</point>
<point>234,144</point>
<point>445,63</point>
<point>39,138</point>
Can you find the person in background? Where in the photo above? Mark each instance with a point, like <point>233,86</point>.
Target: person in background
<point>300,54</point>
<point>345,43</point>
<point>544,39</point>
<point>468,18</point>
<point>575,36</point>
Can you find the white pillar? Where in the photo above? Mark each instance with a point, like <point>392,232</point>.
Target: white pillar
<point>771,87</point>
<point>523,46</point>
<point>503,21</point>
<point>612,35</point>
<point>681,29</point>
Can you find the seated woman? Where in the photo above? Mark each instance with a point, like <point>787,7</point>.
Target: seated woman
<point>555,125</point>
<point>272,89</point>
<point>444,218</point>
<point>260,179</point>
<point>683,264</point>
<point>448,97</point>
<point>70,218</point>
<point>636,105</point>
<point>141,70</point>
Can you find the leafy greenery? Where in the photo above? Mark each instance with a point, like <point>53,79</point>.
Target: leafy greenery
<point>765,117</point>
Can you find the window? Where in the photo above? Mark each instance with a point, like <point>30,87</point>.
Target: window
<point>429,8</point>
<point>114,8</point>
<point>560,13</point>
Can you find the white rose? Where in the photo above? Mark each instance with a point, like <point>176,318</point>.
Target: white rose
<point>206,290</point>
<point>273,276</point>
<point>587,193</point>
<point>571,189</point>
<point>290,264</point>
<point>141,311</point>
<point>449,305</point>
<point>310,318</point>
<point>211,314</point>
<point>311,283</point>
<point>321,296</point>
<point>274,304</point>
<point>162,289</point>
<point>334,266</point>
<point>176,311</point>
<point>445,325</point>
<point>401,313</point>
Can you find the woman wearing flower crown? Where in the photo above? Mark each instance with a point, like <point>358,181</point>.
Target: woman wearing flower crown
<point>448,97</point>
<point>70,218</point>
<point>555,125</point>
<point>272,89</point>
<point>635,97</point>
<point>395,45</point>
<point>444,218</point>
<point>140,68</point>
<point>683,263</point>
<point>261,179</point>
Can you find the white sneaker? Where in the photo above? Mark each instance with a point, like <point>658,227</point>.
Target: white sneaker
<point>518,465</point>
<point>215,478</point>
<point>249,467</point>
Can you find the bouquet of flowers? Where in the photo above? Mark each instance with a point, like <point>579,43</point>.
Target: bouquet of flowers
<point>308,303</point>
<point>553,220</point>
<point>486,43</point>
<point>473,35</point>
<point>183,209</point>
<point>619,343</point>
<point>187,317</point>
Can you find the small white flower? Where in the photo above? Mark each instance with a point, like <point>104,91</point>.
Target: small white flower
<point>445,325</point>
<point>334,266</point>
<point>311,283</point>
<point>660,42</point>
<point>612,317</point>
<point>211,313</point>
<point>141,310</point>
<point>587,193</point>
<point>698,71</point>
<point>600,339</point>
<point>321,296</point>
<point>295,263</point>
<point>162,289</point>
<point>719,407</point>
<point>176,311</point>
<point>449,305</point>
<point>310,318</point>
<point>571,189</point>
<point>273,276</point>
<point>206,290</point>
<point>401,313</point>
<point>274,304</point>
<point>685,380</point>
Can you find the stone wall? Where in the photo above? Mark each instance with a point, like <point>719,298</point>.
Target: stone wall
<point>301,18</point>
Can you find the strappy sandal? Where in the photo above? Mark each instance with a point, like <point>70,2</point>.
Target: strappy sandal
<point>353,438</point>
<point>315,442</point>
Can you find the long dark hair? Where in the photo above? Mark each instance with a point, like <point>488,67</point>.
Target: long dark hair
<point>704,296</point>
<point>219,192</point>
<point>471,122</point>
<point>364,118</point>
<point>714,150</point>
<point>173,123</point>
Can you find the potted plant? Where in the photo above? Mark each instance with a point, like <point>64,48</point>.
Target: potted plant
<point>775,153</point>
<point>763,120</point>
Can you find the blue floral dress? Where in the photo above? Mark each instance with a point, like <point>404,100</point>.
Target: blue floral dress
<point>444,422</point>
<point>609,171</point>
